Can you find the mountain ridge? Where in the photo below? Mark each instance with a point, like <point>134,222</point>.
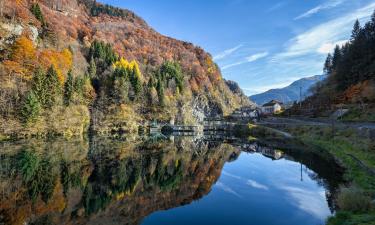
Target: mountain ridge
<point>289,93</point>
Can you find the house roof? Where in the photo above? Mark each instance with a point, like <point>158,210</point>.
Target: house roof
<point>272,103</point>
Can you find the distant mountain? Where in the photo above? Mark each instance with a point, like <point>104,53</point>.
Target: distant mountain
<point>289,93</point>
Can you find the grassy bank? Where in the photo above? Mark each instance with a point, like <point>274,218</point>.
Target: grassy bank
<point>357,155</point>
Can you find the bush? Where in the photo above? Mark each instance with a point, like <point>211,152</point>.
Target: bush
<point>353,199</point>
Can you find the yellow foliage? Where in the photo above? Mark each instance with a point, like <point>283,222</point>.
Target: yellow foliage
<point>135,67</point>
<point>62,61</point>
<point>132,66</point>
<point>122,63</point>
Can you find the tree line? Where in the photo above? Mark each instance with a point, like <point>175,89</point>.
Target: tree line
<point>353,62</point>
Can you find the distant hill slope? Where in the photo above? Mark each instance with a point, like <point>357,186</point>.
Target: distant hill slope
<point>289,93</point>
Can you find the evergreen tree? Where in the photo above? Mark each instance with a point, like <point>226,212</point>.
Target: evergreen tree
<point>53,87</point>
<point>35,9</point>
<point>336,57</point>
<point>328,64</point>
<point>356,31</point>
<point>160,91</point>
<point>68,89</point>
<point>31,108</point>
<point>136,81</point>
<point>39,87</point>
<point>92,68</point>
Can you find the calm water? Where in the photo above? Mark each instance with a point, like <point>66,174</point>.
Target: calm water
<point>163,181</point>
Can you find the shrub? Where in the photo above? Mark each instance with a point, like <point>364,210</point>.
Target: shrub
<point>353,199</point>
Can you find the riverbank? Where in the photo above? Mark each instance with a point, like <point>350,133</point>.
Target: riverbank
<point>355,150</point>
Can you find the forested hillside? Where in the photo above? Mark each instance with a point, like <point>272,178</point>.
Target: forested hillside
<point>351,75</point>
<point>68,66</point>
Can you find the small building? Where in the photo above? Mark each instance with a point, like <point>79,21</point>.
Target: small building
<point>272,107</point>
<point>246,113</point>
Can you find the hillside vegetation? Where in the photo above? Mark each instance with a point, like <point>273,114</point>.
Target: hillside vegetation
<point>67,66</point>
<point>351,77</point>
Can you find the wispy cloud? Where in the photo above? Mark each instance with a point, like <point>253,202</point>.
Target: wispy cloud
<point>227,189</point>
<point>276,7</point>
<point>308,201</point>
<point>328,5</point>
<point>317,38</point>
<point>257,56</point>
<point>226,52</point>
<point>257,185</point>
<point>330,46</point>
<point>251,58</point>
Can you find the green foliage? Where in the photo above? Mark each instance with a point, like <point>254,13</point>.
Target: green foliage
<point>135,81</point>
<point>103,53</point>
<point>353,62</point>
<point>52,86</point>
<point>92,68</point>
<point>68,89</point>
<point>96,9</point>
<point>31,108</point>
<point>39,86</point>
<point>172,70</point>
<point>37,175</point>
<point>37,12</point>
<point>160,91</point>
<point>120,89</point>
<point>353,199</point>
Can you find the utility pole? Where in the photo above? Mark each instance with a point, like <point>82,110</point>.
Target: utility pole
<point>300,97</point>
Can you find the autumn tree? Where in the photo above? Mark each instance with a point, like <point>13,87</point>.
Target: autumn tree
<point>23,58</point>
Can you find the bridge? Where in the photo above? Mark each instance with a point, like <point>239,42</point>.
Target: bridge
<point>158,128</point>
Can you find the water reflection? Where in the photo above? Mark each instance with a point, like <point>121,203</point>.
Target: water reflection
<point>104,181</point>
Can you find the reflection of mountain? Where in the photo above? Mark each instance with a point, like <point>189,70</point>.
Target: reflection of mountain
<point>117,181</point>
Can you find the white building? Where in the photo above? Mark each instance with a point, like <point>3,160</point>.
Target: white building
<point>271,107</point>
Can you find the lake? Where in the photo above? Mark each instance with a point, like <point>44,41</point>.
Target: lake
<point>165,180</point>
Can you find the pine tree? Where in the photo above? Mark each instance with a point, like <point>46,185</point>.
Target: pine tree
<point>92,68</point>
<point>35,9</point>
<point>160,91</point>
<point>328,64</point>
<point>356,31</point>
<point>68,89</point>
<point>336,57</point>
<point>53,88</point>
<point>31,108</point>
<point>38,86</point>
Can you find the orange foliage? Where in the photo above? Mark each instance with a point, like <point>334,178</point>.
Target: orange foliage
<point>23,58</point>
<point>62,61</point>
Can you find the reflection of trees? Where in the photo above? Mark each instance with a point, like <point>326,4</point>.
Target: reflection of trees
<point>71,182</point>
<point>37,174</point>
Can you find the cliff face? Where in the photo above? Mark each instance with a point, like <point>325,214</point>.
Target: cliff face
<point>75,25</point>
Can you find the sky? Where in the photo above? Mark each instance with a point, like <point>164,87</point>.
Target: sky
<point>260,44</point>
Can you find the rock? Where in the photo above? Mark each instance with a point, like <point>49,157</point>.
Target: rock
<point>34,33</point>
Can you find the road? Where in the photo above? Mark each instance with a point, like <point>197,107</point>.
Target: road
<point>315,122</point>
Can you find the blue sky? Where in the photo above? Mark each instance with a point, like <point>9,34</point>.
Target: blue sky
<point>261,44</point>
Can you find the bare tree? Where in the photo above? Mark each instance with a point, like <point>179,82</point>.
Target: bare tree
<point>1,7</point>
